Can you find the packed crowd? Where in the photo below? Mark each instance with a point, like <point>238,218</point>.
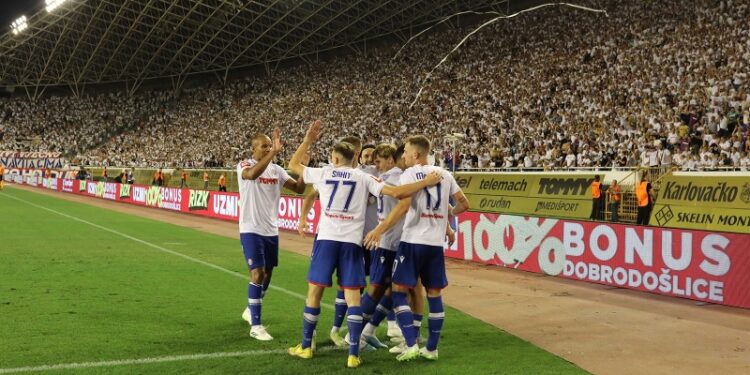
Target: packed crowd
<point>651,84</point>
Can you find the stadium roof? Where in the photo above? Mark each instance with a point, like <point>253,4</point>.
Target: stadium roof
<point>100,41</point>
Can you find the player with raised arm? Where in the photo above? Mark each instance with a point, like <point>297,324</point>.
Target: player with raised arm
<point>260,182</point>
<point>420,253</point>
<point>343,195</point>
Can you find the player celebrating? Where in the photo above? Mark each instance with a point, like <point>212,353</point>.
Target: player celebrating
<point>382,258</point>
<point>343,194</point>
<point>260,183</point>
<point>420,253</point>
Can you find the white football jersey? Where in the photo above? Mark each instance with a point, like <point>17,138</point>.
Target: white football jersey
<point>390,239</point>
<point>259,199</point>
<point>343,201</point>
<point>427,218</point>
<point>371,215</point>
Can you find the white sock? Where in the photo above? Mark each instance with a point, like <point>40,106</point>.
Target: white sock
<point>369,330</point>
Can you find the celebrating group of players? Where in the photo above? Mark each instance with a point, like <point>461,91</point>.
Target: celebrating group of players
<point>411,203</point>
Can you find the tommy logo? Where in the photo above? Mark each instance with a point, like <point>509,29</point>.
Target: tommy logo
<point>401,258</point>
<point>382,259</point>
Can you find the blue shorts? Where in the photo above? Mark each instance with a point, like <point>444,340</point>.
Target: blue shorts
<point>423,261</point>
<point>260,251</point>
<point>381,269</point>
<point>344,257</point>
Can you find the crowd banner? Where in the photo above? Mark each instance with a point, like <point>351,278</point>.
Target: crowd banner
<point>699,265</point>
<point>562,195</point>
<point>714,202</point>
<point>32,160</point>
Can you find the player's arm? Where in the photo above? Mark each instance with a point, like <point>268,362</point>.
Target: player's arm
<point>372,240</point>
<point>450,233</point>
<point>462,204</point>
<point>407,190</point>
<point>307,205</point>
<point>313,132</point>
<point>256,170</point>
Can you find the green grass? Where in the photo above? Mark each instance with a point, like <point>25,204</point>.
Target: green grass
<point>71,292</point>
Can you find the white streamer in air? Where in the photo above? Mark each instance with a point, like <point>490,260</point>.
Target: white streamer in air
<point>500,17</point>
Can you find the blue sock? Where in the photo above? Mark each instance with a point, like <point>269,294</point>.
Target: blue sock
<point>368,307</point>
<point>391,315</point>
<point>266,284</point>
<point>310,320</point>
<point>385,307</point>
<point>354,322</point>
<point>435,322</point>
<point>254,302</point>
<point>404,317</point>
<point>417,324</point>
<point>339,311</point>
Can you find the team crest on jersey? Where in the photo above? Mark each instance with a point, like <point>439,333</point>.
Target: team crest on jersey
<point>382,259</point>
<point>401,258</point>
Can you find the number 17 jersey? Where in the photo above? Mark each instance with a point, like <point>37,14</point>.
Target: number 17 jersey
<point>427,217</point>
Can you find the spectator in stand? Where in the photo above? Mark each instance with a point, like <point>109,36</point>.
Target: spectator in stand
<point>105,177</point>
<point>597,98</point>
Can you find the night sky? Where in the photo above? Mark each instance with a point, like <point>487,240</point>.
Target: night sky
<point>12,9</point>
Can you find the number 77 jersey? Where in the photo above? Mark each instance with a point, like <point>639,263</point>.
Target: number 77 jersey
<point>427,217</point>
<point>343,201</point>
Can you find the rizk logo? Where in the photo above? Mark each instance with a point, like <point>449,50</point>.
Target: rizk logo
<point>124,191</point>
<point>198,200</point>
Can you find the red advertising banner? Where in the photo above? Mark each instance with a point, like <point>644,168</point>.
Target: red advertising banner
<point>213,204</point>
<point>704,266</point>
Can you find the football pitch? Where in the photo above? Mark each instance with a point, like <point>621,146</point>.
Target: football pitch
<point>89,290</point>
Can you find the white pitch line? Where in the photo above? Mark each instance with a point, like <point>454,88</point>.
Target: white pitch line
<point>157,247</point>
<point>145,361</point>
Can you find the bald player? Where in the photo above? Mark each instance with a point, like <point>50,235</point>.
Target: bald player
<point>260,182</point>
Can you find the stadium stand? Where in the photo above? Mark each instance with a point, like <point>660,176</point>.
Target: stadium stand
<point>653,84</point>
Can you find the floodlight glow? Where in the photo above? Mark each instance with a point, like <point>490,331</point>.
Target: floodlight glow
<point>53,4</point>
<point>19,25</point>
